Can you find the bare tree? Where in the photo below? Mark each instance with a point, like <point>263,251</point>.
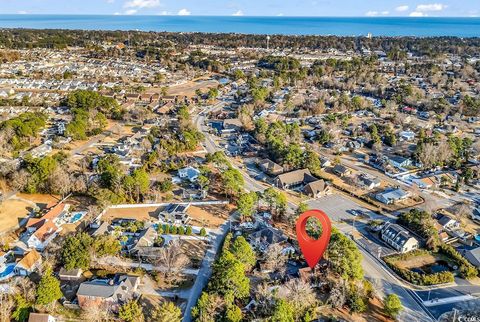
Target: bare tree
<point>97,313</point>
<point>20,179</point>
<point>299,293</point>
<point>59,181</point>
<point>26,288</point>
<point>172,259</point>
<point>6,307</point>
<point>275,259</point>
<point>338,294</point>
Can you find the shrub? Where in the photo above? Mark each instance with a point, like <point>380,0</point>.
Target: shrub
<point>181,230</point>
<point>188,231</point>
<point>203,232</point>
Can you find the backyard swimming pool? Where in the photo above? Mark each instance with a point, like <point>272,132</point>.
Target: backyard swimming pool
<point>77,216</point>
<point>7,272</point>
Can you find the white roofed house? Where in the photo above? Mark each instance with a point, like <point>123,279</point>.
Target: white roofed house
<point>392,196</point>
<point>399,238</point>
<point>189,173</point>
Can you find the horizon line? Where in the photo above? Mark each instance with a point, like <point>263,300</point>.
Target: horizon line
<point>231,16</point>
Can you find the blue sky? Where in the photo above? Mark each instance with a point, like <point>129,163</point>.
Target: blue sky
<point>464,8</point>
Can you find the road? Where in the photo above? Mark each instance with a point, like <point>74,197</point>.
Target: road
<point>205,270</point>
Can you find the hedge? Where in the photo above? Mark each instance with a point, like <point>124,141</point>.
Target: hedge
<point>466,269</point>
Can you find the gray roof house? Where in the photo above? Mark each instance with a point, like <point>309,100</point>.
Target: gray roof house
<point>112,292</point>
<point>294,179</point>
<point>270,167</point>
<point>398,237</point>
<point>262,239</point>
<point>473,256</point>
<point>391,196</point>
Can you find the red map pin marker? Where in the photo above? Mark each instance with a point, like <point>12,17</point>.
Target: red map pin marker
<point>313,249</point>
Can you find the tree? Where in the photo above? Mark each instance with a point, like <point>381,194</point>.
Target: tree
<point>302,207</point>
<point>76,251</point>
<point>203,232</point>
<point>282,312</point>
<point>172,259</point>
<point>228,277</point>
<point>106,245</point>
<point>6,307</point>
<point>48,289</point>
<point>59,181</point>
<point>131,312</point>
<point>344,257</point>
<point>299,295</point>
<point>167,312</point>
<point>97,313</point>
<point>207,307</point>
<point>233,314</point>
<point>232,181</point>
<point>22,308</point>
<point>243,252</point>
<point>392,305</point>
<point>246,204</point>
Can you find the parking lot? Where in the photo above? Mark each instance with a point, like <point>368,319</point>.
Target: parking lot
<point>338,207</point>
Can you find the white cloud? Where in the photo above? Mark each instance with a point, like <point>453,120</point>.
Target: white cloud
<point>376,13</point>
<point>417,14</point>
<point>142,4</point>
<point>22,12</point>
<point>131,12</point>
<point>184,12</point>
<point>280,15</point>
<point>402,8</point>
<point>238,13</point>
<point>431,7</point>
<point>165,13</point>
<point>110,1</point>
<point>117,14</point>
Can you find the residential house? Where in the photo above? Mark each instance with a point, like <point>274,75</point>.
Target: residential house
<point>399,238</point>
<point>407,136</point>
<point>392,196</point>
<point>146,238</point>
<point>399,161</point>
<point>41,317</point>
<point>369,182</point>
<point>341,170</point>
<point>473,256</point>
<point>266,237</point>
<point>112,292</point>
<point>270,167</point>
<point>72,275</point>
<point>29,264</point>
<point>189,173</point>
<point>174,214</point>
<point>316,189</point>
<point>40,231</point>
<point>447,222</point>
<point>294,179</point>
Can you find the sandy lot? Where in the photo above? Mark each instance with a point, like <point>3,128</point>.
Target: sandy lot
<point>189,88</point>
<point>42,200</point>
<point>142,214</point>
<point>12,211</point>
<point>209,216</point>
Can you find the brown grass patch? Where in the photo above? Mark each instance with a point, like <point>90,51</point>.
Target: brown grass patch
<point>141,214</point>
<point>211,216</point>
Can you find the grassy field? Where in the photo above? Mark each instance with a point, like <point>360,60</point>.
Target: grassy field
<point>12,211</point>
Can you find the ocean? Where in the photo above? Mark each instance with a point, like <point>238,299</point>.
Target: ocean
<point>339,26</point>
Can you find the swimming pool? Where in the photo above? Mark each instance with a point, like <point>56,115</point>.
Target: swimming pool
<point>7,272</point>
<point>76,217</point>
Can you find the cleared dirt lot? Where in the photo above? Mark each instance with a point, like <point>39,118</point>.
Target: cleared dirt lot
<point>12,211</point>
<point>189,88</point>
<point>141,214</point>
<point>209,216</point>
